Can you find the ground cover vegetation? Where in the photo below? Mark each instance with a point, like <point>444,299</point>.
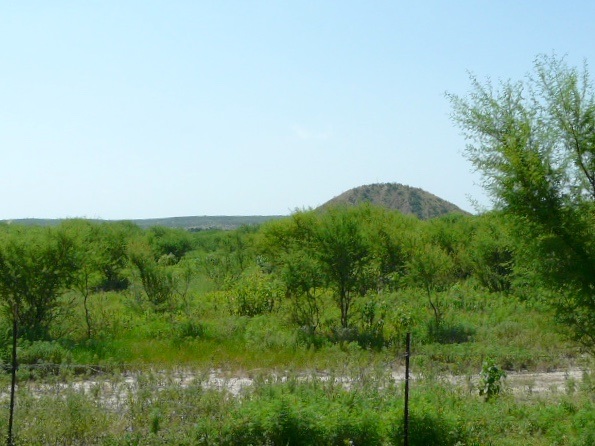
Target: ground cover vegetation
<point>313,309</point>
<point>333,291</point>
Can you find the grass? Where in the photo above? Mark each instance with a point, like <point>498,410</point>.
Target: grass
<point>202,331</point>
<point>295,410</point>
<point>199,334</point>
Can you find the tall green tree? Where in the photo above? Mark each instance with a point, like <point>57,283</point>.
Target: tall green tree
<point>88,275</point>
<point>323,250</point>
<point>432,269</point>
<point>287,248</point>
<point>453,233</point>
<point>36,266</point>
<point>344,255</point>
<point>534,143</point>
<point>113,240</point>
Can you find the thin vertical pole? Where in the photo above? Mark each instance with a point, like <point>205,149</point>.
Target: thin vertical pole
<point>406,417</point>
<point>9,439</point>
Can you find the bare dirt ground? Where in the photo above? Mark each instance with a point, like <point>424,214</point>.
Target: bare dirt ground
<point>530,383</point>
<point>114,392</point>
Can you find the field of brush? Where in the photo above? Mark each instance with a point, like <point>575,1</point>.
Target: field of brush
<point>241,337</point>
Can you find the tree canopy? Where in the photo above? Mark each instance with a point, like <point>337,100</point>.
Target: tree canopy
<point>534,143</point>
<point>35,267</point>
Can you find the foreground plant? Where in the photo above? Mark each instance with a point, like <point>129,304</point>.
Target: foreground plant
<point>492,377</point>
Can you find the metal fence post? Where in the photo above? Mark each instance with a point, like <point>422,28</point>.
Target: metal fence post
<point>13,380</point>
<point>406,417</point>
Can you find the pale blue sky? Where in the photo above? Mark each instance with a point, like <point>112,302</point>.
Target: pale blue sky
<point>139,109</point>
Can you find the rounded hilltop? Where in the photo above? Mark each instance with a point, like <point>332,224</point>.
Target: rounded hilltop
<point>406,199</point>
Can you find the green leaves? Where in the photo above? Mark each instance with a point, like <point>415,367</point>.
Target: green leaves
<point>332,249</point>
<point>492,378</point>
<point>254,293</point>
<point>534,143</point>
<point>36,265</point>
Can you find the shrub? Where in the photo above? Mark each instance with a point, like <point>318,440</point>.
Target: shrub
<point>275,422</point>
<point>188,328</point>
<point>254,293</point>
<point>169,242</point>
<point>42,352</point>
<point>302,419</point>
<point>157,280</point>
<point>491,379</point>
<point>429,429</point>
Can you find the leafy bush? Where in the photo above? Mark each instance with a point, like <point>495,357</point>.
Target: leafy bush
<point>302,419</point>
<point>492,378</point>
<point>188,328</point>
<point>43,352</point>
<point>282,422</point>
<point>308,337</point>
<point>427,428</point>
<point>157,280</point>
<point>169,242</point>
<point>254,293</point>
<point>584,424</point>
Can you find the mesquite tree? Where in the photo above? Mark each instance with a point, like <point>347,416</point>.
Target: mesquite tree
<point>534,143</point>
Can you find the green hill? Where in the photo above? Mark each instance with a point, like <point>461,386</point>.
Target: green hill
<point>406,199</point>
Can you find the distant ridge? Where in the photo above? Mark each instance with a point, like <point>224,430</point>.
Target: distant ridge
<point>406,199</point>
<point>206,222</point>
<point>197,223</point>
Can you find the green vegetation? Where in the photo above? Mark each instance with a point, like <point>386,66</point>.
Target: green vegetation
<point>534,142</point>
<point>332,291</point>
<point>128,335</point>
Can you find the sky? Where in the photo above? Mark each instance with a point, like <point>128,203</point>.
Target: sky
<point>147,109</point>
